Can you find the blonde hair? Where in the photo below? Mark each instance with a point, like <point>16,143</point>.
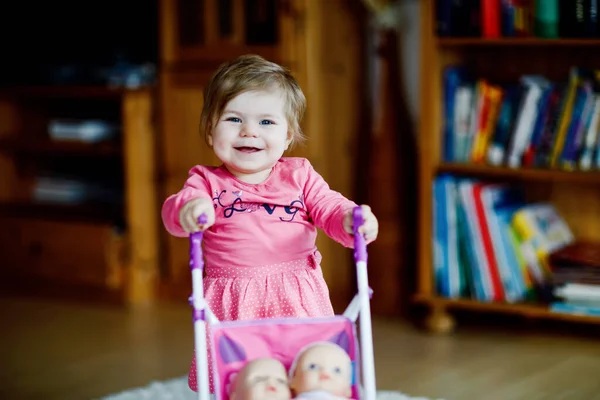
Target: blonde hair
<point>247,73</point>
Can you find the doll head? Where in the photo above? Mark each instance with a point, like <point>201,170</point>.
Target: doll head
<point>322,366</point>
<point>261,379</point>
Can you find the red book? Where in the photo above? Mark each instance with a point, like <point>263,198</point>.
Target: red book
<point>490,18</point>
<point>488,247</point>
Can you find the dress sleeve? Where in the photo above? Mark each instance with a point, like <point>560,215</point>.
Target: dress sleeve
<point>327,207</point>
<point>196,186</point>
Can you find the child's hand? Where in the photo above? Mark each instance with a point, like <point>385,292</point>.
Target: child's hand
<point>191,211</point>
<point>370,226</point>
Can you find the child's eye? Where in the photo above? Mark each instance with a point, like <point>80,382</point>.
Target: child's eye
<point>312,367</point>
<point>233,119</point>
<point>266,122</point>
<point>337,370</point>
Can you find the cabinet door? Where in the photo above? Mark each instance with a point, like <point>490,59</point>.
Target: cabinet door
<point>217,30</point>
<point>83,254</point>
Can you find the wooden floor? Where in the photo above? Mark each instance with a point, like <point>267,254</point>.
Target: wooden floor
<point>53,350</point>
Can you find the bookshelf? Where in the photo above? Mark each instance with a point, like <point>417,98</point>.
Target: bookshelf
<point>533,42</point>
<point>99,241</point>
<point>519,174</point>
<point>575,194</point>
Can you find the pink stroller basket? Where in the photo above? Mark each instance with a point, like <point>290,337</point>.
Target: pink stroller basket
<point>234,343</point>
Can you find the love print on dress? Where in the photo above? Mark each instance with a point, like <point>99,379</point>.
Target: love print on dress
<point>239,206</point>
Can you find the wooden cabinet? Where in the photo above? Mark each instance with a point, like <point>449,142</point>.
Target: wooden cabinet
<point>89,254</point>
<point>98,238</point>
<point>321,42</point>
<point>217,30</point>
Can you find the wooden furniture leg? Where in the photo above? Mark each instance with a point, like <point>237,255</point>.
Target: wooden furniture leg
<point>439,321</point>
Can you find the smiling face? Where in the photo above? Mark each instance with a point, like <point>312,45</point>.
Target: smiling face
<point>262,379</point>
<point>251,134</point>
<point>325,367</point>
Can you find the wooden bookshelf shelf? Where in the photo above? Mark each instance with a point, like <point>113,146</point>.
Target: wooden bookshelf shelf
<point>59,148</point>
<point>67,91</point>
<point>523,174</point>
<point>509,42</point>
<point>529,310</point>
<point>86,212</point>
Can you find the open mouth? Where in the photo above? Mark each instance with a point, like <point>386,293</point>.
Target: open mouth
<point>245,149</point>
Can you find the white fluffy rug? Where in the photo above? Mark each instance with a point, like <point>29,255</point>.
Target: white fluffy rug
<point>177,389</point>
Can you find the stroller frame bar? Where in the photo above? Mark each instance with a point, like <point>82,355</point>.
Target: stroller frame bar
<point>366,334</point>
<point>200,310</point>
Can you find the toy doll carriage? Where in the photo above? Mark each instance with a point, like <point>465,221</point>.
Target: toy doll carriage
<point>234,343</point>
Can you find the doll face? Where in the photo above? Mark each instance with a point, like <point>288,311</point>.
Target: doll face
<point>262,379</point>
<point>324,367</point>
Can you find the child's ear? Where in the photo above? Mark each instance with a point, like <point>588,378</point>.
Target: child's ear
<point>209,140</point>
<point>288,141</point>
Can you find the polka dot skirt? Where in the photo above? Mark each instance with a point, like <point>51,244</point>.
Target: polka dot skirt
<point>290,289</point>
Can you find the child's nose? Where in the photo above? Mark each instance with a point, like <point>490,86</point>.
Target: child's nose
<point>248,131</point>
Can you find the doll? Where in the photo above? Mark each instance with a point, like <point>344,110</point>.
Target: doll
<point>322,371</point>
<point>261,379</point>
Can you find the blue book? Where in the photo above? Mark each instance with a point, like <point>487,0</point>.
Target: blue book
<point>448,277</point>
<point>566,308</point>
<point>508,18</point>
<point>479,279</point>
<point>538,127</point>
<point>580,119</point>
<point>500,141</point>
<point>454,76</point>
<point>443,10</point>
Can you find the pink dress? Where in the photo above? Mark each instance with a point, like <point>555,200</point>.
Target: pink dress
<point>261,260</point>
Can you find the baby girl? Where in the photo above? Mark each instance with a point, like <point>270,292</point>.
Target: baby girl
<point>322,371</point>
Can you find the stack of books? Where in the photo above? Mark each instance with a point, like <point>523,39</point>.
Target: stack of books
<point>576,274</point>
<point>534,123</point>
<point>490,244</point>
<point>517,18</point>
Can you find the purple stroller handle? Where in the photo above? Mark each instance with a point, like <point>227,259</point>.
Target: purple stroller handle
<point>360,245</point>
<point>199,310</point>
<point>196,260</point>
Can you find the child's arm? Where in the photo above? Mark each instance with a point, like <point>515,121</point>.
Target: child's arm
<point>195,187</point>
<point>327,208</point>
